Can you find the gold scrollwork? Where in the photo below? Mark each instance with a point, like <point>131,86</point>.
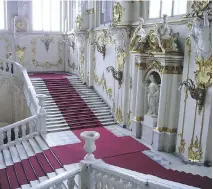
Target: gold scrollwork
<point>155,65</point>
<point>78,21</point>
<point>119,117</point>
<point>181,147</point>
<point>117,14</point>
<point>129,119</point>
<point>20,53</point>
<point>195,151</point>
<point>104,85</point>
<point>82,57</point>
<point>172,69</point>
<point>165,129</point>
<point>121,57</point>
<point>138,118</point>
<point>203,73</point>
<point>91,11</point>
<point>46,64</point>
<point>188,45</point>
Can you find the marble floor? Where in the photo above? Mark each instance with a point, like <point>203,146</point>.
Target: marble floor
<point>167,160</point>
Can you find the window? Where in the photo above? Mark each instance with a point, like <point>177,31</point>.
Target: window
<point>157,8</point>
<point>105,11</point>
<point>46,15</point>
<point>2,15</point>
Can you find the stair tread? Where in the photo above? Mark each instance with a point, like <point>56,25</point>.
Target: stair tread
<point>7,157</point>
<point>14,154</point>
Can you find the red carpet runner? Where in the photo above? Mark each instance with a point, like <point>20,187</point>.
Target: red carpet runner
<point>120,151</point>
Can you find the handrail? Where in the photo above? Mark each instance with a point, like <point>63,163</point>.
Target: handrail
<point>58,179</point>
<point>139,178</point>
<point>21,73</point>
<point>22,122</point>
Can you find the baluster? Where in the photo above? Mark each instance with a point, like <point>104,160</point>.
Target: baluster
<point>119,184</point>
<point>9,135</point>
<point>71,183</point>
<point>16,130</point>
<point>98,180</point>
<point>30,127</point>
<point>112,182</point>
<point>23,130</point>
<point>92,180</point>
<point>104,181</point>
<point>1,138</point>
<point>7,67</point>
<point>59,186</point>
<point>12,71</point>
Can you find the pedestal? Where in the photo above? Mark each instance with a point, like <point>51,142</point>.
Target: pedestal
<point>148,125</point>
<point>136,128</point>
<point>169,142</point>
<point>158,140</point>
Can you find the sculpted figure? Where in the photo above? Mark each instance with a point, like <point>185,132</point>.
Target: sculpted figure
<point>139,37</point>
<point>201,36</point>
<point>153,97</point>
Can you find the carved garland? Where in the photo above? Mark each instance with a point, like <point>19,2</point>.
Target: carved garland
<point>20,52</point>
<point>46,64</point>
<point>117,14</point>
<point>118,114</point>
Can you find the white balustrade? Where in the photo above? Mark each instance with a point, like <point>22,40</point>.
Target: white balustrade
<point>14,68</point>
<point>18,131</point>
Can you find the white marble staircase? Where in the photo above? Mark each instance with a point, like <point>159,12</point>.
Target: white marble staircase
<point>25,164</point>
<point>55,121</point>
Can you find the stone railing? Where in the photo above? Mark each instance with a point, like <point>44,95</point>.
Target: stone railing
<point>26,128</point>
<point>14,68</point>
<point>92,173</point>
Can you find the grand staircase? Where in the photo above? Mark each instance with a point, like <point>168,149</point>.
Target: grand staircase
<point>60,95</point>
<point>28,163</point>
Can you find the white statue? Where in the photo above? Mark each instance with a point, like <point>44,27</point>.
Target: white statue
<point>201,36</point>
<point>139,37</point>
<point>153,97</point>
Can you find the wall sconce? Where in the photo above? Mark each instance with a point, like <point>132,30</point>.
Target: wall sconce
<point>117,75</point>
<point>101,49</point>
<point>197,93</point>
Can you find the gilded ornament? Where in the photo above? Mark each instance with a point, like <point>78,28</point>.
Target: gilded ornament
<point>91,11</point>
<point>46,64</point>
<point>47,39</point>
<point>138,118</point>
<point>198,8</point>
<point>79,21</point>
<point>109,92</point>
<point>121,57</point>
<point>172,70</point>
<point>188,45</point>
<point>203,73</point>
<point>141,66</point>
<point>117,14</point>
<point>165,129</point>
<point>129,119</point>
<point>155,65</point>
<point>198,93</point>
<point>20,53</point>
<point>117,75</point>
<point>119,117</point>
<point>195,151</point>
<point>181,147</point>
<point>21,26</point>
<point>82,57</point>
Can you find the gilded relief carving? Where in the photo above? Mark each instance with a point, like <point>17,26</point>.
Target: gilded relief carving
<point>181,147</point>
<point>118,114</point>
<point>46,64</point>
<point>117,14</point>
<point>195,151</point>
<point>79,21</point>
<point>20,52</point>
<point>47,39</point>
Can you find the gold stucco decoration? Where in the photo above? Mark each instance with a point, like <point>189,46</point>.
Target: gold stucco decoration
<point>46,64</point>
<point>20,53</point>
<point>195,151</point>
<point>203,73</point>
<point>117,14</point>
<point>82,57</point>
<point>78,21</point>
<point>119,117</point>
<point>121,57</point>
<point>181,147</point>
<point>154,65</point>
<point>198,8</point>
<point>91,11</point>
<point>103,83</point>
<point>188,45</point>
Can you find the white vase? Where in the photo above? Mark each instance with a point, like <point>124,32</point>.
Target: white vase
<point>89,147</point>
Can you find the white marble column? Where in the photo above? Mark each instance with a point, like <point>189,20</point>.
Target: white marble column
<point>158,133</point>
<point>134,88</point>
<point>91,58</point>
